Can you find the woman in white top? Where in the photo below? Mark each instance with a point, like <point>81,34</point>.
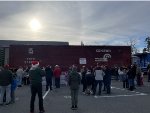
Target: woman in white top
<point>99,73</point>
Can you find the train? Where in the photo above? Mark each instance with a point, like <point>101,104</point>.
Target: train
<point>67,55</point>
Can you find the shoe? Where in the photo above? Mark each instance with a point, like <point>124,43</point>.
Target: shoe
<point>72,107</point>
<point>91,92</point>
<point>7,103</point>
<point>1,104</point>
<point>84,93</point>
<point>19,85</point>
<point>99,93</point>
<point>43,111</point>
<point>31,111</point>
<point>12,102</point>
<point>108,93</point>
<point>76,106</point>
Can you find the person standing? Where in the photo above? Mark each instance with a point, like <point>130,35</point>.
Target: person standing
<point>74,82</point>
<point>57,73</point>
<point>123,77</point>
<point>26,76</point>
<point>133,72</point>
<point>49,75</point>
<point>13,87</point>
<point>130,78</point>
<point>89,80</point>
<point>83,81</point>
<point>35,74</point>
<point>148,72</point>
<point>99,74</point>
<point>138,75</point>
<point>5,84</point>
<point>108,79</point>
<point>20,74</point>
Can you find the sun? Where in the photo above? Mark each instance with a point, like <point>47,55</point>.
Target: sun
<point>35,24</point>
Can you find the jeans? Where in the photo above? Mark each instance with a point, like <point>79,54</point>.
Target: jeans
<point>48,83</point>
<point>100,86</point>
<point>4,89</point>
<point>131,84</point>
<point>74,97</point>
<point>57,82</point>
<point>19,80</point>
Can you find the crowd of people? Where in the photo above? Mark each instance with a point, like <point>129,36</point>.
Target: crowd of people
<point>94,80</point>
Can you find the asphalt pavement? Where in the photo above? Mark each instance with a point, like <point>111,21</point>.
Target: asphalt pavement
<point>59,101</point>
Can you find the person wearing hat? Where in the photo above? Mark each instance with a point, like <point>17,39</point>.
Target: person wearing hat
<point>35,75</point>
<point>5,84</point>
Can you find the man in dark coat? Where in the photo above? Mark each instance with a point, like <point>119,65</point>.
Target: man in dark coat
<point>131,77</point>
<point>133,72</point>
<point>5,84</point>
<point>107,79</point>
<point>35,75</point>
<point>83,73</point>
<point>74,82</point>
<point>89,80</point>
<point>49,75</point>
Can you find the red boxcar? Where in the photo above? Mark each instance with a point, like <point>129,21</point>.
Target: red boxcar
<point>22,55</point>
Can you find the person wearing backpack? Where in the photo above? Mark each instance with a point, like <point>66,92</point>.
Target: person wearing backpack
<point>74,82</point>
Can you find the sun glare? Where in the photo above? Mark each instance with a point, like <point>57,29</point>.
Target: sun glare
<point>35,25</point>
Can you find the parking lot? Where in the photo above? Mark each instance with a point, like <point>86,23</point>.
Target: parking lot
<point>59,101</point>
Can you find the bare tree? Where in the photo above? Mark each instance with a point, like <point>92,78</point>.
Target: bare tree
<point>147,40</point>
<point>132,43</point>
<point>82,44</point>
<point>144,50</point>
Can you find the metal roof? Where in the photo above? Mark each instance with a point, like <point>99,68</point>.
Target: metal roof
<point>7,43</point>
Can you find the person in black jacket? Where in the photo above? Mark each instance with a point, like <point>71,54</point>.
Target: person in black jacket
<point>35,75</point>
<point>5,84</point>
<point>49,75</point>
<point>130,78</point>
<point>89,80</point>
<point>133,71</point>
<point>83,80</point>
<point>107,80</point>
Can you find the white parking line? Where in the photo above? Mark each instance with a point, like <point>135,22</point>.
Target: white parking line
<point>67,97</point>
<point>46,93</point>
<point>124,89</point>
<point>111,96</point>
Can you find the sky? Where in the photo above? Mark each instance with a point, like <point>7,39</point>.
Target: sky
<point>93,22</point>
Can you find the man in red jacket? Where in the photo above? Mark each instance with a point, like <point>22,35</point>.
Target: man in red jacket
<point>57,73</point>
